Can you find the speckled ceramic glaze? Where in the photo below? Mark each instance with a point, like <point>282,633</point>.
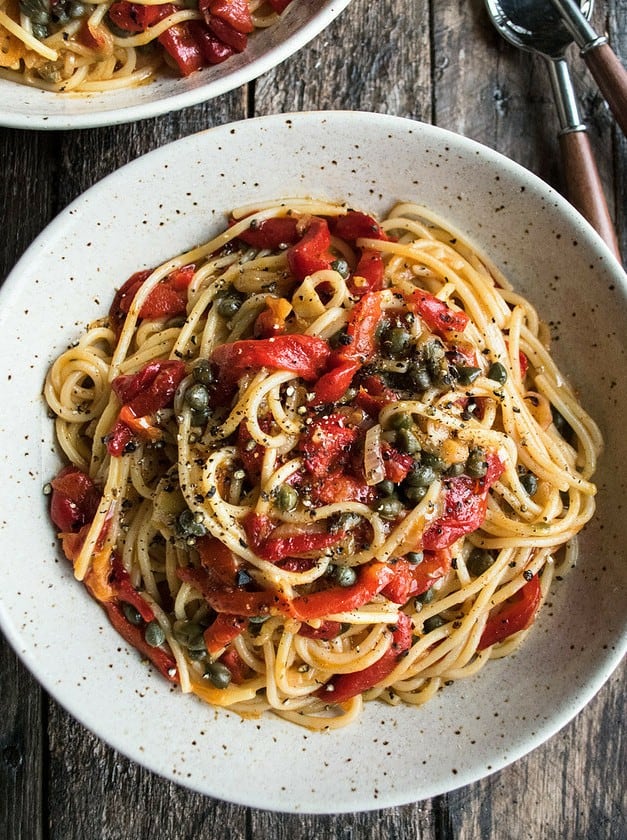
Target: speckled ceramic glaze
<point>26,107</point>
<point>165,203</point>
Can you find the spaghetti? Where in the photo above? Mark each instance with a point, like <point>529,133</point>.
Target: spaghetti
<point>88,47</point>
<point>319,460</point>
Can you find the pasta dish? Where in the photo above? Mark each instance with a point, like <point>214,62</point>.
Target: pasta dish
<point>88,47</point>
<point>319,460</point>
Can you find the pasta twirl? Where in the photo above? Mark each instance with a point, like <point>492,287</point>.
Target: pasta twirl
<point>319,460</point>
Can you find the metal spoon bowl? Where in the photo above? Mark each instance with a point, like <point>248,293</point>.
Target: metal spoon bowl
<point>536,26</point>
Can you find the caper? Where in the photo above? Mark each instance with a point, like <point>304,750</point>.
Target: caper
<point>131,613</point>
<point>425,597</point>
<point>229,306</point>
<point>466,374</point>
<point>345,575</point>
<point>190,524</point>
<point>197,397</point>
<point>419,376</point>
<point>218,674</point>
<point>153,634</point>
<point>40,31</point>
<point>497,373</point>
<point>339,339</point>
<point>189,634</point>
<point>77,10</point>
<point>342,268</point>
<point>396,342</point>
<point>455,469</point>
<point>433,623</point>
<point>199,418</point>
<point>479,561</point>
<point>203,372</point>
<point>530,483</point>
<point>388,508</point>
<point>476,465</point>
<point>430,459</point>
<point>401,420</point>
<point>287,498</point>
<point>415,494</point>
<point>407,441</point>
<point>415,557</point>
<point>421,475</point>
<point>387,487</point>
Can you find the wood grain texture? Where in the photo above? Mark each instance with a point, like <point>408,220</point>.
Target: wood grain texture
<point>435,60</point>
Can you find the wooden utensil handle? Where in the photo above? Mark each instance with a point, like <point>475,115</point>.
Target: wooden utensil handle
<point>611,77</point>
<point>585,190</point>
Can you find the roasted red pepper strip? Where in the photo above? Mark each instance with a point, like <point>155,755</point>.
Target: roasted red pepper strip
<point>260,528</point>
<point>515,615</point>
<point>142,394</point>
<point>357,225</point>
<point>74,500</point>
<point>167,300</point>
<point>230,599</point>
<point>272,233</point>
<point>223,630</point>
<point>327,630</point>
<point>134,635</point>
<point>436,314</point>
<point>410,580</point>
<point>180,42</point>
<point>368,275</point>
<point>371,579</point>
<point>344,686</point>
<point>234,12</point>
<point>214,50</point>
<point>311,253</point>
<point>303,355</point>
<point>361,330</point>
<point>465,505</point>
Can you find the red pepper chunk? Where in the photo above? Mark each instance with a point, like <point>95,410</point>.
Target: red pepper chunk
<point>271,233</point>
<point>357,225</point>
<point>136,17</point>
<point>326,444</point>
<point>260,529</point>
<point>342,687</point>
<point>141,395</point>
<point>180,42</point>
<point>311,253</point>
<point>223,630</point>
<point>234,12</point>
<point>168,299</point>
<point>327,630</point>
<point>74,501</point>
<point>436,314</point>
<point>303,355</point>
<point>410,580</point>
<point>344,363</point>
<point>368,274</point>
<point>231,599</point>
<point>465,505</point>
<point>371,579</point>
<point>515,615</point>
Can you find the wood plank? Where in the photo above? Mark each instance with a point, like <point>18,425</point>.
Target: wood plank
<point>372,58</point>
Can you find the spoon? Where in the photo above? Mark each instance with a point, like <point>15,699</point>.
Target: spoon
<point>602,61</point>
<point>529,25</point>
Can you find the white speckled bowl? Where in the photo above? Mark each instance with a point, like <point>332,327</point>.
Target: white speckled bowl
<point>165,202</point>
<point>26,107</point>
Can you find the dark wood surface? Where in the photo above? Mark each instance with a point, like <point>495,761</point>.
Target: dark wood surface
<point>439,62</point>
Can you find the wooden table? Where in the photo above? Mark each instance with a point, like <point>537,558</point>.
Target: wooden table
<point>439,62</point>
